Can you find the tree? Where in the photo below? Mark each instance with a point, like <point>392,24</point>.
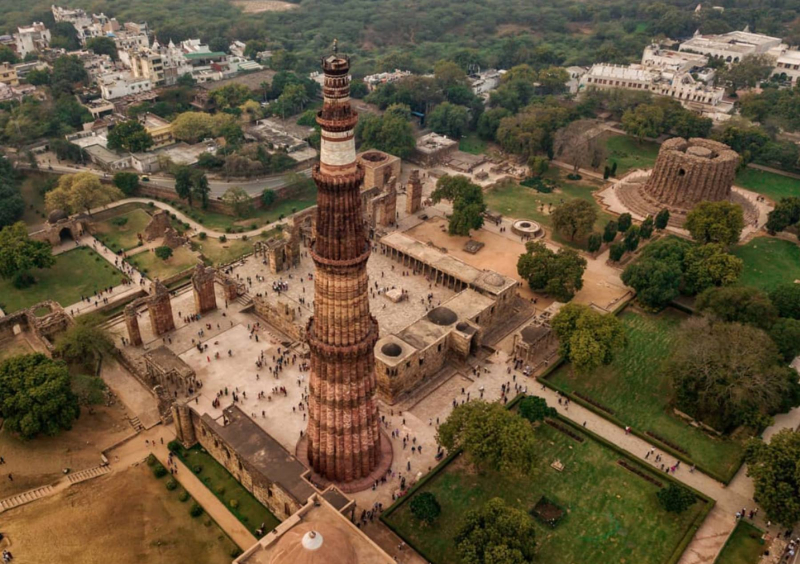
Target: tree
<point>230,96</point>
<point>490,435</point>
<point>738,304</point>
<point>786,335</point>
<point>68,72</point>
<point>748,72</point>
<point>127,182</point>
<point>129,136</point>
<point>610,231</point>
<point>632,238</point>
<point>85,341</point>
<point>425,507</point>
<point>103,46</point>
<point>688,124</point>
<point>496,534</point>
<point>785,214</point>
<point>163,252</point>
<point>237,199</point>
<point>709,265</point>
<point>467,200</point>
<point>588,338</point>
<point>200,187</point>
<point>656,282</point>
<point>728,374</point>
<point>391,133</point>
<point>675,498</point>
<point>80,192</point>
<point>183,183</point>
<point>268,197</point>
<point>715,222</point>
<point>786,298</point>
<point>19,254</point>
<point>558,274</point>
<point>35,396</point>
<point>575,145</point>
<point>574,218</point>
<point>534,408</point>
<point>616,251</point>
<point>646,120</point>
<point>7,55</point>
<point>537,165</point>
<point>594,243</point>
<point>624,222</point>
<point>662,219</point>
<point>193,126</point>
<point>646,228</point>
<point>449,119</point>
<point>13,206</point>
<point>490,121</point>
<point>776,476</point>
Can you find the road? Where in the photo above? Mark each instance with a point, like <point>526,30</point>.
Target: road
<point>253,186</point>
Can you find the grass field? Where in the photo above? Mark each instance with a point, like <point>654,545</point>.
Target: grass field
<point>521,202</point>
<point>223,253</point>
<point>612,514</point>
<point>122,237</point>
<point>743,547</point>
<point>148,263</point>
<point>769,262</point>
<point>305,197</point>
<point>769,184</point>
<point>634,388</point>
<point>76,273</point>
<point>628,153</point>
<point>472,144</point>
<point>31,189</point>
<point>216,478</point>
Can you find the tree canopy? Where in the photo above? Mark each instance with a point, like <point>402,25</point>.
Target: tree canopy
<point>574,218</point>
<point>467,200</point>
<point>129,136</point>
<point>35,395</point>
<point>80,192</point>
<point>559,274</point>
<point>715,222</point>
<point>391,132</point>
<point>84,341</point>
<point>738,304</point>
<point>588,338</point>
<point>19,253</point>
<point>496,534</point>
<point>776,475</point>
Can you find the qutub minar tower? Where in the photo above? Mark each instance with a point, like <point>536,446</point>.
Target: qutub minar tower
<point>344,442</point>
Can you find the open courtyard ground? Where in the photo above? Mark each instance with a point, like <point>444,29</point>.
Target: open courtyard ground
<point>612,514</point>
<point>769,262</point>
<point>637,392</point>
<point>771,185</point>
<point>128,516</point>
<point>520,202</point>
<point>154,267</point>
<point>78,272</point>
<point>743,547</point>
<point>121,232</point>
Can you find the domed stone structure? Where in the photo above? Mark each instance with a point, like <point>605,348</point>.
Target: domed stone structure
<point>317,543</point>
<point>57,215</point>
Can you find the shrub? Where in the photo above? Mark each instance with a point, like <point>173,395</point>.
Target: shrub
<point>244,237</point>
<point>616,251</point>
<point>195,510</point>
<point>222,238</point>
<point>675,499</point>
<point>151,460</point>
<point>159,471</point>
<point>425,507</point>
<point>234,503</point>
<point>202,235</point>
<point>163,252</point>
<point>235,552</point>
<point>174,445</point>
<point>573,176</point>
<point>197,469</point>
<point>171,484</point>
<point>23,280</point>
<point>151,204</point>
<point>228,229</point>
<point>220,490</point>
<point>119,221</point>
<point>595,242</point>
<point>183,496</point>
<point>534,408</point>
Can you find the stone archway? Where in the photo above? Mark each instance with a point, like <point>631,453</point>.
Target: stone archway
<point>66,234</point>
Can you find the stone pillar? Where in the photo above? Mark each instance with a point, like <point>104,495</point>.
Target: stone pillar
<point>184,426</point>
<point>388,211</point>
<point>205,298</point>
<point>132,323</point>
<point>414,193</point>
<point>160,309</point>
<point>230,288</point>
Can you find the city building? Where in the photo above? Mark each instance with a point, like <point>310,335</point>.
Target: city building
<point>32,39</point>
<point>486,81</point>
<point>731,47</point>
<point>432,149</point>
<point>373,81</point>
<point>120,84</point>
<point>787,63</point>
<point>8,74</point>
<point>159,129</point>
<point>658,58</point>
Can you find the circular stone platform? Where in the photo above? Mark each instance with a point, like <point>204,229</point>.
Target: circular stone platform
<point>384,464</point>
<point>527,227</point>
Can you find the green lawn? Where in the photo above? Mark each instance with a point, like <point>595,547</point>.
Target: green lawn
<point>743,547</point>
<point>612,513</point>
<point>223,253</point>
<point>472,144</point>
<point>78,272</point>
<point>122,237</point>
<point>775,186</point>
<point>31,188</point>
<point>633,387</point>
<point>521,202</point>
<point>249,510</point>
<point>769,262</point>
<point>628,153</point>
<point>148,263</point>
<point>305,197</point>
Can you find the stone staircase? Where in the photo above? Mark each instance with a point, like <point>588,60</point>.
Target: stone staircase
<point>25,497</point>
<point>245,299</point>
<point>88,474</point>
<point>136,424</point>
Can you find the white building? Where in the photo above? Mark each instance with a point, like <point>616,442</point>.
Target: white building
<point>731,47</point>
<point>486,81</point>
<point>32,39</point>
<point>374,80</point>
<point>655,57</point>
<point>787,63</point>
<point>120,84</point>
<point>575,76</point>
<point>237,48</point>
<point>692,93</point>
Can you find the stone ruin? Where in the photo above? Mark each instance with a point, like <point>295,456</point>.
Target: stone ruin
<point>686,173</point>
<point>414,193</point>
<point>160,310</point>
<point>280,252</point>
<point>60,226</point>
<point>158,226</point>
<point>205,297</point>
<point>43,328</point>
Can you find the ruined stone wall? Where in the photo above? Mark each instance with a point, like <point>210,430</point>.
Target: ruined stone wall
<point>160,308</point>
<point>205,297</point>
<point>282,316</point>
<point>689,172</point>
<point>414,193</point>
<point>379,167</point>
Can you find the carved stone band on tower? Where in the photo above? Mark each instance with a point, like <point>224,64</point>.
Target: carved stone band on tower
<point>344,442</point>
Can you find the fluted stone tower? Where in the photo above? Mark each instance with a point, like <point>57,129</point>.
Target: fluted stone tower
<point>343,425</point>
